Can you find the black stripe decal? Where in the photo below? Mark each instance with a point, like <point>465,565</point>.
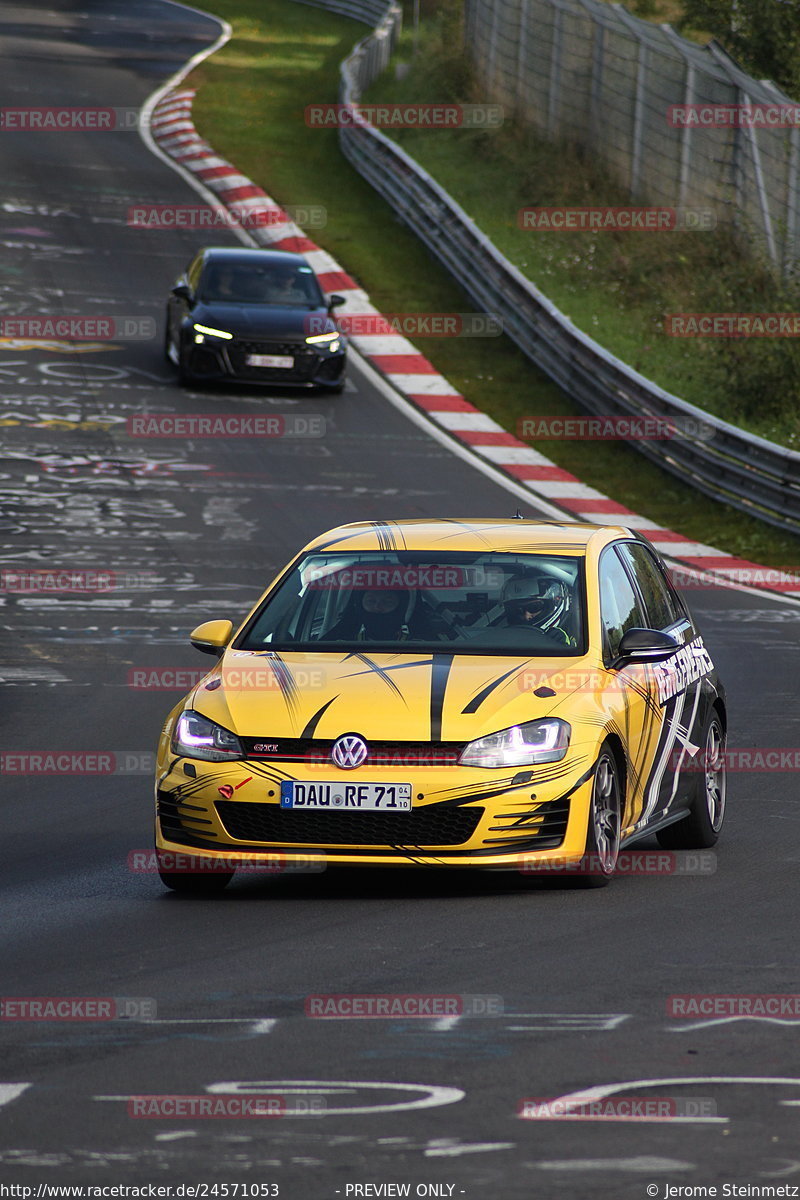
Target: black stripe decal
<point>310,728</point>
<point>478,700</point>
<point>440,671</point>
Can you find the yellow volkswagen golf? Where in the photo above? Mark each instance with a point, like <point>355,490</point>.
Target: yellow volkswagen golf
<point>509,694</point>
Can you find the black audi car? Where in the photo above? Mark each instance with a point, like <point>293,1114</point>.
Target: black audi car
<point>258,316</point>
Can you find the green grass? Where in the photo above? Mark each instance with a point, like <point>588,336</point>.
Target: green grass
<point>250,105</point>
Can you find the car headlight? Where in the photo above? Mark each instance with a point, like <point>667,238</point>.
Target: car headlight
<point>520,746</point>
<point>197,737</point>
<point>323,337</point>
<point>209,332</point>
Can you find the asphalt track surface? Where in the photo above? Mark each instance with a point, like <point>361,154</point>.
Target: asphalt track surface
<point>584,977</point>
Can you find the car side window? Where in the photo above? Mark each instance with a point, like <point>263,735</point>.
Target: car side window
<point>662,607</point>
<point>620,608</point>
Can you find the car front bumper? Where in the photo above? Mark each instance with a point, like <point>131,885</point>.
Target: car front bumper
<point>215,360</point>
<point>461,817</point>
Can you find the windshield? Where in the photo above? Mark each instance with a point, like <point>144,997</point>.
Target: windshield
<point>412,600</point>
<point>287,286</point>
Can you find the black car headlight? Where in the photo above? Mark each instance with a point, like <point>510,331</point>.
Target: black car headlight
<point>520,746</point>
<point>325,341</point>
<point>201,332</point>
<point>197,737</point>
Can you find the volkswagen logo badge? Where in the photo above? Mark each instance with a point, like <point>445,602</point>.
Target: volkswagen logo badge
<point>349,751</point>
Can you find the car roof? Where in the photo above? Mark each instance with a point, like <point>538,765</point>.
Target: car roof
<point>510,536</point>
<point>242,255</point>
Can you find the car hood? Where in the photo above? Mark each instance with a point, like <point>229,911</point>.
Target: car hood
<point>390,697</point>
<point>258,320</point>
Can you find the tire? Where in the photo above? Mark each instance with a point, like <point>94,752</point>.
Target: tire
<point>167,341</point>
<point>184,377</point>
<point>700,828</point>
<point>196,885</point>
<point>605,819</point>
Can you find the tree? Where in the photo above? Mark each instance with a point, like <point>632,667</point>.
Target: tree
<point>762,35</point>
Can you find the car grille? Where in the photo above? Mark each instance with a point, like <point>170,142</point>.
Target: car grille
<point>178,817</point>
<point>305,360</point>
<point>381,754</point>
<point>435,825</point>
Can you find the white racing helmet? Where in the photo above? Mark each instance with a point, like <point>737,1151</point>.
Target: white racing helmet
<point>546,598</point>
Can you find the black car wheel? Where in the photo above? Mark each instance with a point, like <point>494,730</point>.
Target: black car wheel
<point>605,819</point>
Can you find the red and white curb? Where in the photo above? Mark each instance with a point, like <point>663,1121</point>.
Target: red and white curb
<point>416,378</point>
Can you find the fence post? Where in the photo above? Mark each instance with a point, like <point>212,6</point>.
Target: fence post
<point>763,202</point>
<point>522,51</point>
<point>790,250</point>
<point>639,98</point>
<point>555,71</point>
<point>598,62</point>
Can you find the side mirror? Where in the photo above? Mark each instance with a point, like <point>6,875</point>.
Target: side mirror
<point>646,645</point>
<point>336,300</point>
<point>212,637</point>
<point>181,291</point>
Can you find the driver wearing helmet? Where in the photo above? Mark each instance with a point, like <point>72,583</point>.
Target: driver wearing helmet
<point>538,601</point>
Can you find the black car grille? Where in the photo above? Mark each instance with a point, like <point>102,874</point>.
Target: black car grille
<point>305,360</point>
<point>546,826</point>
<point>178,817</point>
<point>435,825</point>
<point>381,754</point>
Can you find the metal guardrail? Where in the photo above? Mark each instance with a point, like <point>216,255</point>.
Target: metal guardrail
<point>750,473</point>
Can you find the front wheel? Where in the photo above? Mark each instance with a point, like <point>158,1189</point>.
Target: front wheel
<point>605,819</point>
<point>700,829</point>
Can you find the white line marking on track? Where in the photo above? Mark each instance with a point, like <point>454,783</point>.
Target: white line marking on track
<point>10,1091</point>
<point>442,1024</point>
<point>432,1096</point>
<point>689,1028</point>
<point>642,1163</point>
<point>446,1148</point>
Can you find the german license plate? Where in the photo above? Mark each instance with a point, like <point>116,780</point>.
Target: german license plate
<point>346,797</point>
<point>270,360</point>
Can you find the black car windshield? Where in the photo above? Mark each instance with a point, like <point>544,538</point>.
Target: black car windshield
<point>527,604</point>
<point>281,284</point>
